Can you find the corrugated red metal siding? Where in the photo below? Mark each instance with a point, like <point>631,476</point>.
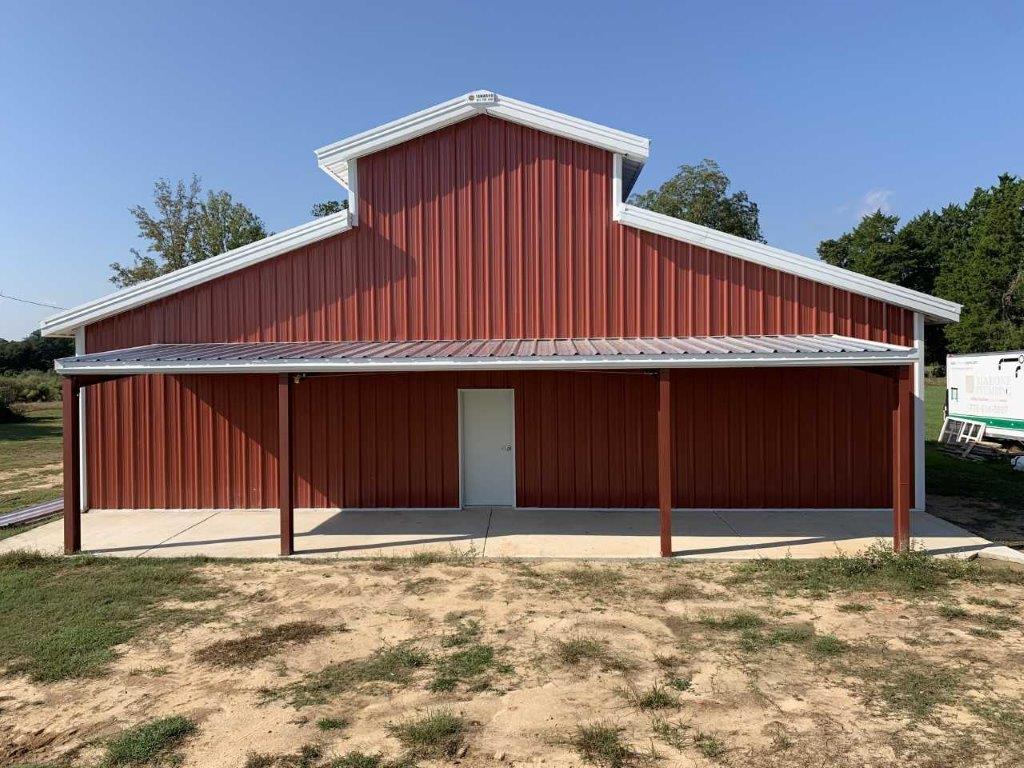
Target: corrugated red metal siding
<point>743,438</point>
<point>482,230</point>
<point>781,438</point>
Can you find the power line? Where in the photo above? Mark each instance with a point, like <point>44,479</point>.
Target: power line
<point>29,301</point>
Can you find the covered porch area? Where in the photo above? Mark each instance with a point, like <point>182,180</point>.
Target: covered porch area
<point>495,532</point>
<point>615,447</point>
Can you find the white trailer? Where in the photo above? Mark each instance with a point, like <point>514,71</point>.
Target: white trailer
<point>988,389</point>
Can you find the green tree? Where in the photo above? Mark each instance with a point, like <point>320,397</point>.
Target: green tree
<point>986,275</point>
<point>700,193</point>
<point>186,228</point>
<point>972,254</point>
<point>328,207</point>
<point>33,353</point>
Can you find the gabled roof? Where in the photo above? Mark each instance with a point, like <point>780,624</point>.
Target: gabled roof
<point>335,158</point>
<point>64,323</point>
<point>630,152</point>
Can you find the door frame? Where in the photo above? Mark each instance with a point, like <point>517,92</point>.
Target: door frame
<point>462,467</point>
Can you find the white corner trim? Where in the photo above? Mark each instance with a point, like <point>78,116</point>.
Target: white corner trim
<point>83,454</point>
<point>334,158</point>
<point>919,436</point>
<point>353,192</point>
<point>65,323</point>
<point>616,186</point>
<point>931,307</point>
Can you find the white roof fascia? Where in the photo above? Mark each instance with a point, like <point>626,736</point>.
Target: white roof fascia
<point>334,158</point>
<point>64,323</point>
<point>896,356</point>
<point>932,307</point>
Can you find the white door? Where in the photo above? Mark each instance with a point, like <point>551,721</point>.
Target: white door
<point>487,447</point>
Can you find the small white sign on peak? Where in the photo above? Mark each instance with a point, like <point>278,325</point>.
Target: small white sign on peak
<point>482,97</point>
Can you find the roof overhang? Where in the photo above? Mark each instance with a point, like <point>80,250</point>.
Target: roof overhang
<point>335,158</point>
<point>504,354</point>
<point>64,323</point>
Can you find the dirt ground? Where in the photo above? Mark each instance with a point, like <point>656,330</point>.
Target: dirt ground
<point>691,664</point>
<point>989,520</point>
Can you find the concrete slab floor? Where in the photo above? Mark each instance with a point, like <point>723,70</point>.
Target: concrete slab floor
<point>497,532</point>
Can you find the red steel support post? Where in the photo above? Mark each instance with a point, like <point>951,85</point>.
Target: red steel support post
<point>665,460</point>
<point>902,458</point>
<point>284,463</point>
<point>72,467</point>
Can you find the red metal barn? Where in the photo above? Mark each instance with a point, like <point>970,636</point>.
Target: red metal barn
<point>492,324</point>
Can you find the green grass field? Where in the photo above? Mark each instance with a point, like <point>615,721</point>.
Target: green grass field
<point>30,458</point>
<point>993,481</point>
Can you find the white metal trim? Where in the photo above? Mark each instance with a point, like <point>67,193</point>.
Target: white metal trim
<point>353,193</point>
<point>899,356</point>
<point>64,323</point>
<point>83,455</point>
<point>616,185</point>
<point>919,414</point>
<point>932,307</point>
<point>333,158</point>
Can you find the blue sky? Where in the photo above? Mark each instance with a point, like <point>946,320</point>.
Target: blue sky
<point>819,110</point>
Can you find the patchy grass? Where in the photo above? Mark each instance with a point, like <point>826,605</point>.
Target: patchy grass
<point>753,639</point>
<point>152,743</point>
<point>602,744</point>
<point>308,756</point>
<point>454,556</point>
<point>676,735</point>
<point>333,723</point>
<point>904,684</point>
<point>439,734</point>
<point>64,617</point>
<point>830,645</point>
<point>464,631</point>
<point>989,602</point>
<point>732,621</point>
<point>680,683</point>
<point>994,622</point>
<point>581,649</point>
<point>906,574</point>
<point>853,608</point>
<point>593,579</point>
<point>391,664</point>
<point>465,665</point>
<point>651,699</point>
<point>709,745</point>
<point>248,650</point>
<point>1003,718</point>
<point>679,590</point>
<point>951,612</point>
<point>422,585</point>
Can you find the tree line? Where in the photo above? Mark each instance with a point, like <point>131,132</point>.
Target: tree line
<point>972,254</point>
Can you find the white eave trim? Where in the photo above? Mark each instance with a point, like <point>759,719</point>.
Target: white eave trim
<point>334,158</point>
<point>933,308</point>
<point>898,356</point>
<point>65,323</point>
